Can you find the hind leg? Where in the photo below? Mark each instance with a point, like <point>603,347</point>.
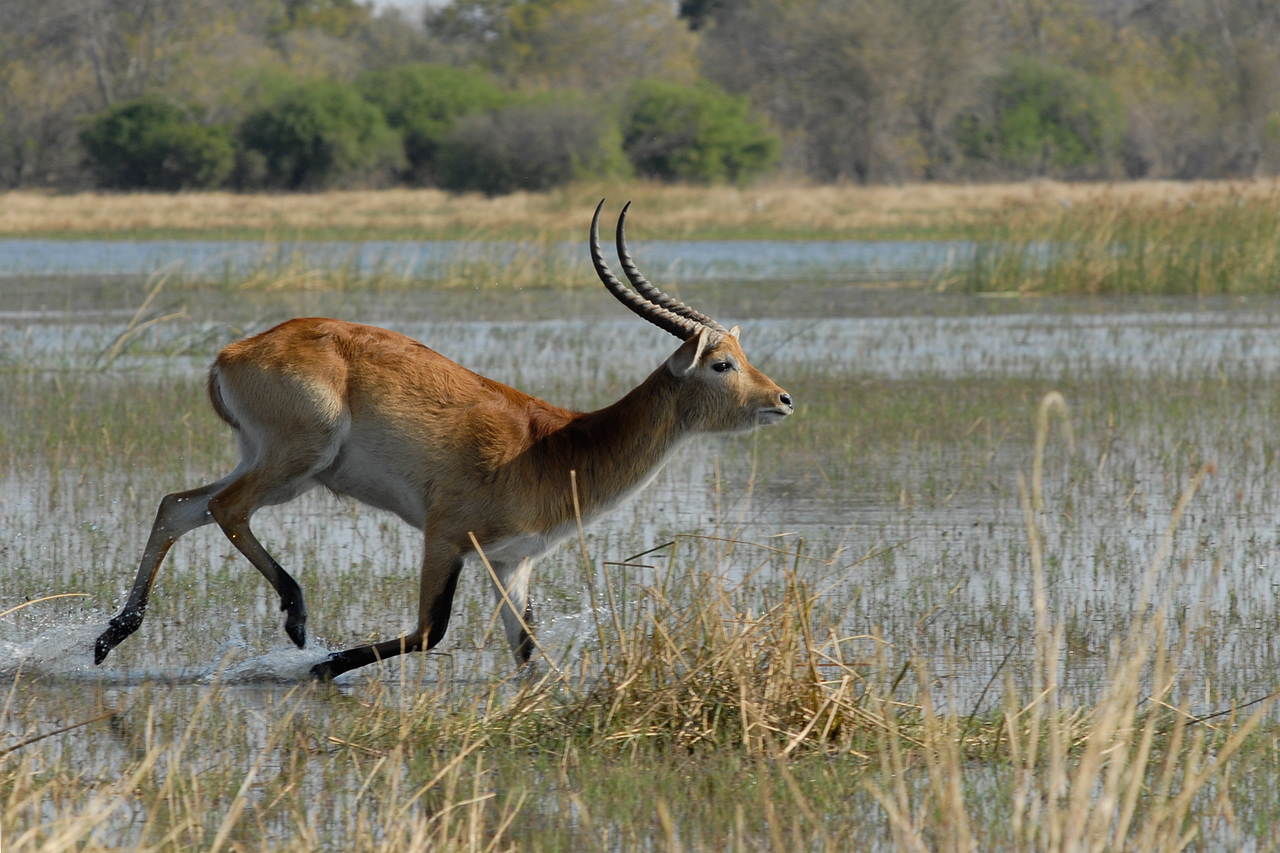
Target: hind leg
<point>178,513</point>
<point>514,578</point>
<point>232,508</point>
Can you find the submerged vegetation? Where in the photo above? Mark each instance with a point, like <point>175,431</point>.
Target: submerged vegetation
<point>750,728</point>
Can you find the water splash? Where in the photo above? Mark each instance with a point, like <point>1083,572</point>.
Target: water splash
<point>65,652</point>
<point>62,650</point>
<point>285,665</point>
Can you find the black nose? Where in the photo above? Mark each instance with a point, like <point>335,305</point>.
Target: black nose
<point>786,399</point>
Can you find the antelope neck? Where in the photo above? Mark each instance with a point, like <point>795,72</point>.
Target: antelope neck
<point>619,448</point>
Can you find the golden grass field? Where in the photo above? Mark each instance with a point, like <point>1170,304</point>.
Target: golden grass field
<point>777,210</point>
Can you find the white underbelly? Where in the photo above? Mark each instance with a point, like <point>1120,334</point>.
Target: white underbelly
<point>532,546</point>
<point>527,546</point>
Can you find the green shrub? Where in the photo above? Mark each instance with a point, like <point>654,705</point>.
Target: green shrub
<point>424,102</point>
<point>1271,140</point>
<point>151,144</point>
<point>532,146</point>
<point>694,133</point>
<point>315,135</point>
<point>1043,117</point>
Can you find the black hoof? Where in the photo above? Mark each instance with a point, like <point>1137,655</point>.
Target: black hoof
<point>295,623</point>
<point>297,632</point>
<point>324,671</point>
<point>101,649</point>
<point>117,631</point>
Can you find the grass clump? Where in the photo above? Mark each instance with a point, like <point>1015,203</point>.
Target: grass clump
<point>1199,246</point>
<point>710,664</point>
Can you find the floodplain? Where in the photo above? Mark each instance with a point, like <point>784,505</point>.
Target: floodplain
<point>1006,581</point>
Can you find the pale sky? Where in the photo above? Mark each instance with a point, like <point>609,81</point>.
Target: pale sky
<point>408,5</point>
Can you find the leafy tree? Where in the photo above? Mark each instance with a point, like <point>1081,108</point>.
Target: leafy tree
<point>839,75</point>
<point>316,135</point>
<point>424,102</point>
<point>591,45</point>
<point>152,144</point>
<point>864,90</point>
<point>533,146</point>
<point>41,118</point>
<point>695,133</point>
<point>1045,117</point>
<point>335,17</point>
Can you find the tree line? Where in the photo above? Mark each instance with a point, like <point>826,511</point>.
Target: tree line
<point>500,95</point>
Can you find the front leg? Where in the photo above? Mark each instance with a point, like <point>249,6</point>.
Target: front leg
<point>514,580</point>
<point>436,588</point>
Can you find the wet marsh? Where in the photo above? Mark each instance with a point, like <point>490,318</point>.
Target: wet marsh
<point>828,635</point>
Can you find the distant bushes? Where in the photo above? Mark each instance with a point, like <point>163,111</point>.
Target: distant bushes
<point>1043,118</point>
<point>668,131</point>
<point>314,136</point>
<point>435,125</point>
<point>532,146</point>
<point>863,91</point>
<point>695,133</point>
<point>150,144</point>
<point>424,102</point>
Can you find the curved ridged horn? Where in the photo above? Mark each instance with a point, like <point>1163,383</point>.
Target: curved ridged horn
<point>646,289</point>
<point>682,327</point>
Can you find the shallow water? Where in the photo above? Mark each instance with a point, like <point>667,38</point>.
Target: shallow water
<point>686,260</point>
<point>1156,389</point>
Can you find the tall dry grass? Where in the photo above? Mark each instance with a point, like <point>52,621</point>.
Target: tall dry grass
<point>1202,243</point>
<point>1134,771</point>
<point>771,210</point>
<point>169,797</point>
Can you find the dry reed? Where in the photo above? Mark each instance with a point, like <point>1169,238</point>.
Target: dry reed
<point>167,799</point>
<point>1126,773</point>
<point>780,210</point>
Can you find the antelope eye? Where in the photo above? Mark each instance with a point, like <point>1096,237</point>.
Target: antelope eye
<point>721,366</point>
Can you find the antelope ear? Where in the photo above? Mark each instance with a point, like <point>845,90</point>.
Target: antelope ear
<point>735,331</point>
<point>690,353</point>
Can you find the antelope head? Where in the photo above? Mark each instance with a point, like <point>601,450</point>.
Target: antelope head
<point>719,390</point>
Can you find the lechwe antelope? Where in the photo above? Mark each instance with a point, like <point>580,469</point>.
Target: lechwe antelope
<point>378,416</point>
